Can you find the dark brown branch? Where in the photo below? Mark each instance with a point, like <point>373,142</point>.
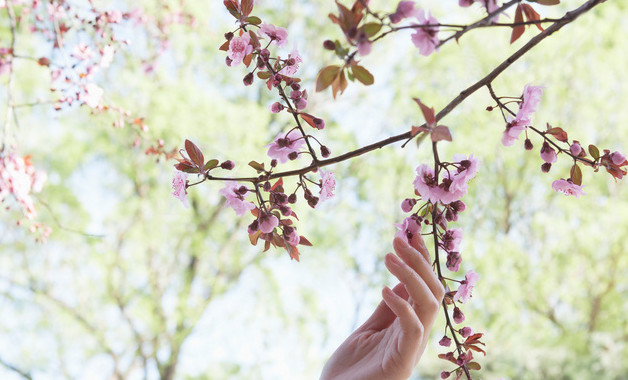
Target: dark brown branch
<point>566,19</point>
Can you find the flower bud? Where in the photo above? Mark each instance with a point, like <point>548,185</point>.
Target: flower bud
<point>466,331</point>
<point>445,341</point>
<point>276,107</point>
<point>295,86</point>
<point>458,206</point>
<point>227,165</point>
<point>291,61</point>
<point>228,36</point>
<point>444,374</point>
<point>292,198</point>
<point>242,190</point>
<point>264,53</point>
<point>575,149</point>
<point>319,123</point>
<point>248,79</point>
<point>458,316</point>
<point>228,61</point>
<point>450,215</point>
<point>273,162</point>
<point>548,154</point>
<point>325,151</point>
<point>313,202</point>
<point>285,211</point>
<point>545,168</point>
<point>253,227</point>
<point>407,204</point>
<point>267,186</point>
<point>528,144</point>
<point>293,156</point>
<point>329,45</point>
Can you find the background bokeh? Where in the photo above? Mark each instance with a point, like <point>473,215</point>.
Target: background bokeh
<point>132,285</point>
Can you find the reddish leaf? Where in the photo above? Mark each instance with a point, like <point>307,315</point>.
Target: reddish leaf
<point>444,357</point>
<point>255,237</point>
<point>576,174</point>
<point>233,8</point>
<point>304,241</point>
<point>293,252</point>
<point>517,31</point>
<point>257,166</point>
<point>186,167</point>
<point>43,61</point>
<point>531,14</point>
<point>266,246</point>
<point>428,112</point>
<point>416,130</point>
<point>474,348</point>
<point>255,212</point>
<point>339,84</point>
<point>247,60</point>
<point>440,133</point>
<point>278,183</point>
<point>225,46</point>
<point>308,119</point>
<point>474,337</point>
<point>558,133</point>
<point>247,7</point>
<point>363,75</point>
<point>326,76</point>
<point>195,154</point>
<point>474,366</point>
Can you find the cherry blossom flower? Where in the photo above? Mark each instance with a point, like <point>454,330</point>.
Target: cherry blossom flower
<point>452,239</point>
<point>618,158</point>
<point>404,10</point>
<point>466,331</point>
<point>294,60</point>
<point>425,39</point>
<point>239,47</point>
<point>531,100</point>
<point>468,168</point>
<point>284,145</point>
<point>267,223</point>
<point>19,178</point>
<point>277,35</point>
<point>513,130</point>
<point>291,236</point>
<point>408,229</point>
<point>575,149</point>
<point>234,193</point>
<point>548,154</point>
<point>328,185</point>
<point>466,286</point>
<point>568,188</point>
<point>426,184</point>
<point>179,185</point>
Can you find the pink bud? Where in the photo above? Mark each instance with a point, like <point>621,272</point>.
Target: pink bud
<point>548,154</point>
<point>575,149</point>
<point>445,342</point>
<point>458,316</point>
<point>276,107</point>
<point>444,374</point>
<point>466,331</point>
<point>618,158</point>
<point>408,204</point>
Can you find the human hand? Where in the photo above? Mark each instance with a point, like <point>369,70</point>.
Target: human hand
<point>390,343</point>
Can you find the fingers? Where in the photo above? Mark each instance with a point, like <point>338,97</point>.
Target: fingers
<point>426,304</point>
<point>410,323</point>
<point>418,243</point>
<point>420,263</point>
<point>383,316</point>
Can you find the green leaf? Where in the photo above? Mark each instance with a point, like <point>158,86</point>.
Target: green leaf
<point>263,75</point>
<point>475,366</point>
<point>363,75</point>
<point>326,76</point>
<point>546,2</point>
<point>576,174</point>
<point>257,166</point>
<point>594,152</point>
<point>253,20</point>
<point>372,28</point>
<point>210,164</point>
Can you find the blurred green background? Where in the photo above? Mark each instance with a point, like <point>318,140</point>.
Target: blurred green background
<point>131,285</point>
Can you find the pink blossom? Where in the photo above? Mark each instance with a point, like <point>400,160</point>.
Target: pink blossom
<point>458,315</point>
<point>531,99</point>
<point>408,229</point>
<point>284,145</point>
<point>466,332</point>
<point>276,107</point>
<point>567,187</point>
<point>548,154</point>
<point>19,178</point>
<point>295,59</point>
<point>467,169</point>
<point>452,239</point>
<point>407,204</point>
<point>618,158</point>
<point>291,236</point>
<point>405,9</point>
<point>445,341</point>
<point>426,39</point>
<point>5,66</point>
<point>465,3</point>
<point>466,286</point>
<point>575,149</point>
<point>82,52</point>
<point>454,259</point>
<point>328,185</point>
<point>364,47</point>
<point>277,35</point>
<point>179,185</point>
<point>239,47</point>
<point>234,193</point>
<point>267,223</point>
<point>513,130</point>
<point>426,184</point>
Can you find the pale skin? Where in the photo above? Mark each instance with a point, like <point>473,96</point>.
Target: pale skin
<point>390,343</point>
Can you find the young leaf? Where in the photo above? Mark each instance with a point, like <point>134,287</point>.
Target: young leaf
<point>558,133</point>
<point>253,20</point>
<point>546,2</point>
<point>186,168</point>
<point>224,46</point>
<point>210,164</point>
<point>576,175</point>
<point>326,76</point>
<point>517,31</point>
<point>263,75</point>
<point>304,241</point>
<point>195,154</point>
<point>363,75</point>
<point>531,15</point>
<point>247,7</point>
<point>371,28</point>
<point>428,113</point>
<point>233,8</point>
<point>594,152</point>
<point>440,133</point>
<point>257,166</point>
<point>474,366</point>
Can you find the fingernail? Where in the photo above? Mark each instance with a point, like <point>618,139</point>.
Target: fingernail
<point>394,260</point>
